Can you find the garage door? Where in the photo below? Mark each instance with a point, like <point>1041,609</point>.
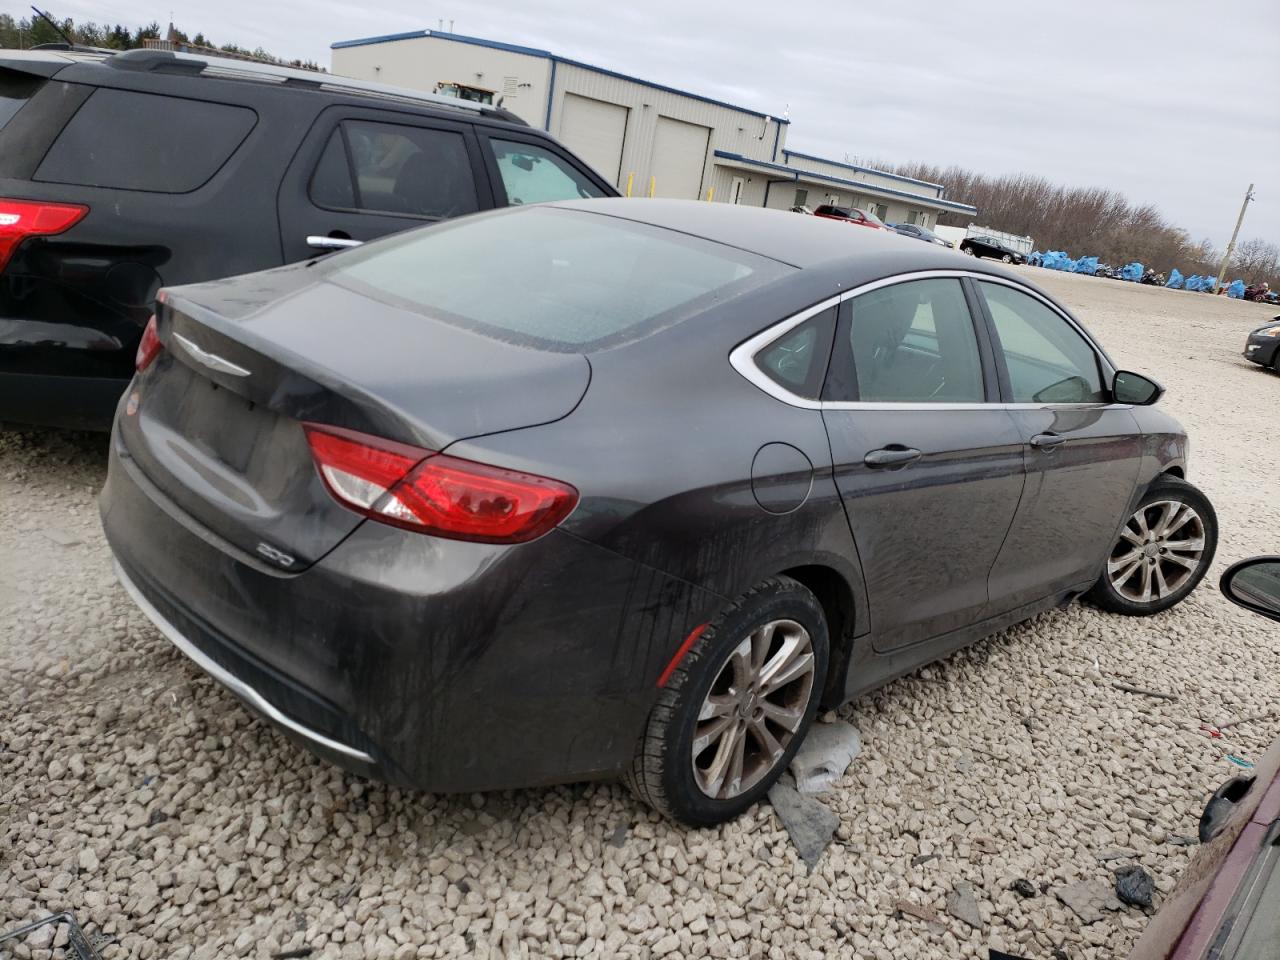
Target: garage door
<point>679,156</point>
<point>595,131</point>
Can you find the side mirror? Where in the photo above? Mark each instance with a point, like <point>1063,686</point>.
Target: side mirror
<point>1255,585</point>
<point>1134,388</point>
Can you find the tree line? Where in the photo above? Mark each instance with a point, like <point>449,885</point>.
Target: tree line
<point>1090,221</point>
<point>21,34</point>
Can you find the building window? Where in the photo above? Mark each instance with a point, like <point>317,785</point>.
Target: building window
<point>802,198</point>
<point>881,210</point>
<point>913,216</point>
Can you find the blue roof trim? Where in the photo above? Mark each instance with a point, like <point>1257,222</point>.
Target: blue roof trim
<point>548,55</point>
<point>797,173</point>
<point>854,166</point>
<point>385,38</point>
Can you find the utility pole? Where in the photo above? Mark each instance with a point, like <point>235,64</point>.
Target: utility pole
<point>1231,247</point>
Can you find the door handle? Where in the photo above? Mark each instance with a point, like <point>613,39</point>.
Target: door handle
<point>1047,441</point>
<point>894,455</point>
<point>332,243</point>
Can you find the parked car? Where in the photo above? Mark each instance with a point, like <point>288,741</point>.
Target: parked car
<point>1227,904</point>
<point>862,218</point>
<point>123,173</point>
<point>990,247</point>
<point>802,208</point>
<point>921,233</point>
<point>1257,292</point>
<point>1263,345</point>
<point>604,512</point>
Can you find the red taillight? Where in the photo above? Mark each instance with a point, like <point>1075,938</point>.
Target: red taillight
<point>434,493</point>
<point>20,219</point>
<point>149,346</point>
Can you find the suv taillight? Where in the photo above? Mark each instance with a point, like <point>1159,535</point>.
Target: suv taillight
<point>433,493</point>
<point>20,219</point>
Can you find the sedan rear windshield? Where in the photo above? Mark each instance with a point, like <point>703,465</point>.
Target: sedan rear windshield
<point>15,90</point>
<point>553,278</point>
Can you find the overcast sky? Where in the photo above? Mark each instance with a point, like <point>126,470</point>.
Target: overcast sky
<point>1175,103</point>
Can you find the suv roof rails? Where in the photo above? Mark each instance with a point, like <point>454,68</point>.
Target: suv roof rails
<point>232,69</point>
<point>143,60</point>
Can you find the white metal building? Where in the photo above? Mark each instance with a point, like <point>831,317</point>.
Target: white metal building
<point>649,139</point>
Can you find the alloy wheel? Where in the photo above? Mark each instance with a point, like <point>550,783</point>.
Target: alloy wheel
<point>1161,547</point>
<point>753,710</point>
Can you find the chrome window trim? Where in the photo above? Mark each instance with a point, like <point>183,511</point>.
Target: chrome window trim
<point>742,357</point>
<point>227,678</point>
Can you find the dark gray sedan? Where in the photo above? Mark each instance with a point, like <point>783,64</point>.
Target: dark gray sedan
<point>625,488</point>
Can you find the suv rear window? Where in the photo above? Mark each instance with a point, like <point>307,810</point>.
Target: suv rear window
<point>139,141</point>
<point>15,90</point>
<point>552,278</point>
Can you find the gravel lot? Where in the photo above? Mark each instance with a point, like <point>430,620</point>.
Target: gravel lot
<point>139,795</point>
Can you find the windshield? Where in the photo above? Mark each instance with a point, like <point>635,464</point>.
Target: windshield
<point>870,216</point>
<point>553,278</point>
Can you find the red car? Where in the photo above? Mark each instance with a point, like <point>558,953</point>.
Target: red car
<point>1227,905</point>
<point>852,215</point>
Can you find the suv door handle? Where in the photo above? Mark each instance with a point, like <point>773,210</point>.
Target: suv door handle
<point>894,455</point>
<point>1047,441</point>
<point>332,243</point>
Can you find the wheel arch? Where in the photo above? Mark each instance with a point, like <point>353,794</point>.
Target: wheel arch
<point>835,594</point>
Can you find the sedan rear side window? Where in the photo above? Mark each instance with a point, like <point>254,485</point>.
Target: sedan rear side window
<point>15,90</point>
<point>139,141</point>
<point>797,361</point>
<point>395,169</point>
<point>532,174</point>
<point>911,342</point>
<point>552,278</point>
<point>1048,360</point>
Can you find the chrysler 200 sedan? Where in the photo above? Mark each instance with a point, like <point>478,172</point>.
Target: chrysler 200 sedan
<point>625,488</point>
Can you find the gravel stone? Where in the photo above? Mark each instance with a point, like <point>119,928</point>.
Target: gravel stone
<point>173,785</point>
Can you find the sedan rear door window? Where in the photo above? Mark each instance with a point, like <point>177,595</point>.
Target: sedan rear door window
<point>15,90</point>
<point>533,174</point>
<point>911,342</point>
<point>1047,358</point>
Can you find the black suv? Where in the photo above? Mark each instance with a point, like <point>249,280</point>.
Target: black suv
<point>121,173</point>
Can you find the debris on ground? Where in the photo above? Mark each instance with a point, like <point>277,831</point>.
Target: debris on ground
<point>1088,899</point>
<point>62,931</point>
<point>807,821</point>
<point>921,912</point>
<point>1143,691</point>
<point>1023,888</point>
<point>921,859</point>
<point>619,835</point>
<point>1134,886</point>
<point>825,755</point>
<point>1240,761</point>
<point>963,905</point>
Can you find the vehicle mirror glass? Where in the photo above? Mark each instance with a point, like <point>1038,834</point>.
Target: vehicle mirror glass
<point>1134,388</point>
<point>1255,585</point>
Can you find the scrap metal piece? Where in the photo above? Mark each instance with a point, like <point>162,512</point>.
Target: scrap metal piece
<point>83,946</point>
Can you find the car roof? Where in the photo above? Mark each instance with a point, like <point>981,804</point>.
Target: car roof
<point>777,234</point>
<point>166,62</point>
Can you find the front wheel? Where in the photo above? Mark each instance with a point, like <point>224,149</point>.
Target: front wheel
<point>1164,550</point>
<point>733,713</point>
<point>1006,259</point>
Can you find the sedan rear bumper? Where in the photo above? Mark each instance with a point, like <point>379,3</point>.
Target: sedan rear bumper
<point>427,663</point>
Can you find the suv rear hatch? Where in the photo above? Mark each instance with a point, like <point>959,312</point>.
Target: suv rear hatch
<point>216,422</point>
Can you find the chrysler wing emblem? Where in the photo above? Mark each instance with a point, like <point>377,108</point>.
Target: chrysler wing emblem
<point>210,360</point>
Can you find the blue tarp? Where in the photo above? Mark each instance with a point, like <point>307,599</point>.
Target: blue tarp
<point>1087,265</point>
<point>1131,272</point>
<point>1035,258</point>
<point>1058,260</point>
<point>1175,279</point>
<point>1236,289</point>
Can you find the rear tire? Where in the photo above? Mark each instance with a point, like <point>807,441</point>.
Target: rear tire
<point>754,677</point>
<point>1006,259</point>
<point>968,251</point>
<point>1164,551</point>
